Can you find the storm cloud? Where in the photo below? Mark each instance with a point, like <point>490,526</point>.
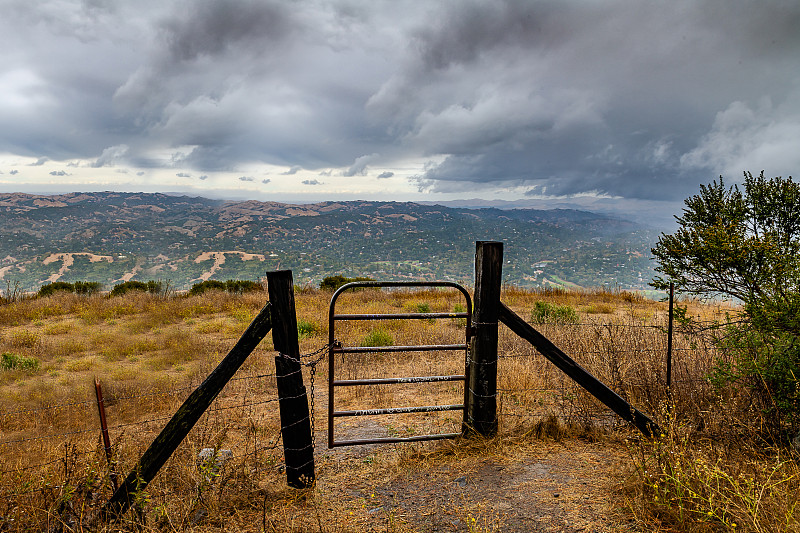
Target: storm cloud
<point>622,99</point>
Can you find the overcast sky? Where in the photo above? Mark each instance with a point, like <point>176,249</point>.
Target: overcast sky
<point>624,103</point>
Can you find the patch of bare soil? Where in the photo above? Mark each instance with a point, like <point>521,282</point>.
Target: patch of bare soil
<point>219,260</point>
<point>68,259</point>
<point>541,486</point>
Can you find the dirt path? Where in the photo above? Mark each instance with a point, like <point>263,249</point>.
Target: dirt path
<point>528,487</point>
<point>129,275</point>
<point>539,487</point>
<point>219,260</point>
<point>68,259</point>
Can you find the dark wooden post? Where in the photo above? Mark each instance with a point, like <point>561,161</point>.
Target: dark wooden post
<point>298,449</point>
<point>481,412</point>
<point>186,417</point>
<point>583,378</point>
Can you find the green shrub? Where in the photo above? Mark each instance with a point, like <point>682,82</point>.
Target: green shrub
<point>546,312</point>
<point>49,289</point>
<point>241,286</point>
<point>87,287</point>
<point>332,283</point>
<point>152,286</point>
<point>460,308</point>
<point>10,361</point>
<point>377,337</point>
<point>233,286</point>
<point>207,285</point>
<point>306,328</point>
<point>424,307</point>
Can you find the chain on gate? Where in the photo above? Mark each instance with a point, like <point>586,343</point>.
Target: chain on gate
<point>312,366</point>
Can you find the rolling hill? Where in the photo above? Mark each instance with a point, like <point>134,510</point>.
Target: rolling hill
<point>111,237</point>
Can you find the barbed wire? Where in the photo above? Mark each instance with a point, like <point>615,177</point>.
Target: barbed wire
<point>124,425</point>
<point>45,408</point>
<point>318,356</point>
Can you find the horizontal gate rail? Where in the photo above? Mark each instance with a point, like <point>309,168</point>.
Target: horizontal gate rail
<point>400,316</point>
<point>389,440</point>
<point>419,348</point>
<point>337,348</point>
<point>388,381</point>
<point>399,410</point>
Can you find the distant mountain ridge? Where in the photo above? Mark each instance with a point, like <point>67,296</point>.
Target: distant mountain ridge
<point>111,237</point>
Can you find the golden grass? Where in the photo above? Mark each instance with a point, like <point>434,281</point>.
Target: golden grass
<point>151,352</point>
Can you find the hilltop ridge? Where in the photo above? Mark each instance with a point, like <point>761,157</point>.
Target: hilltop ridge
<point>182,238</point>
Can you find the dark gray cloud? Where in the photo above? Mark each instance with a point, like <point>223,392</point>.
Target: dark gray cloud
<point>265,181</point>
<point>292,171</point>
<point>183,175</point>
<point>548,97</point>
<point>359,166</point>
<point>246,178</point>
<point>58,173</point>
<point>386,174</point>
<point>14,172</point>
<point>311,182</point>
<point>604,97</point>
<point>111,156</point>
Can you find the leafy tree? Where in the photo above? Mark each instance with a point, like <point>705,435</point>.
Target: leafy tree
<point>744,244</point>
<point>737,243</point>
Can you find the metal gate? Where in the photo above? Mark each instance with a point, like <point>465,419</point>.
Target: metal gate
<point>337,348</point>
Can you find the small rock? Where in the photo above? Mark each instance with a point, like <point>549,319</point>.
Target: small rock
<point>556,495</point>
<point>205,454</point>
<point>461,481</point>
<point>375,510</point>
<point>199,515</point>
<point>220,458</point>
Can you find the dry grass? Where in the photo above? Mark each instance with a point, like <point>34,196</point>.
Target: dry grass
<point>150,353</point>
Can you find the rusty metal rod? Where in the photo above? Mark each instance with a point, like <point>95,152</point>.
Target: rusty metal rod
<point>669,339</point>
<point>101,407</point>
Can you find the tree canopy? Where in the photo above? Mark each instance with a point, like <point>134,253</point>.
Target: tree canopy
<point>744,243</point>
<point>739,243</point>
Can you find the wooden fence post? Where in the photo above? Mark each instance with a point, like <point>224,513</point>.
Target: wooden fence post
<point>481,411</point>
<point>186,417</point>
<point>298,447</point>
<point>578,374</point>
